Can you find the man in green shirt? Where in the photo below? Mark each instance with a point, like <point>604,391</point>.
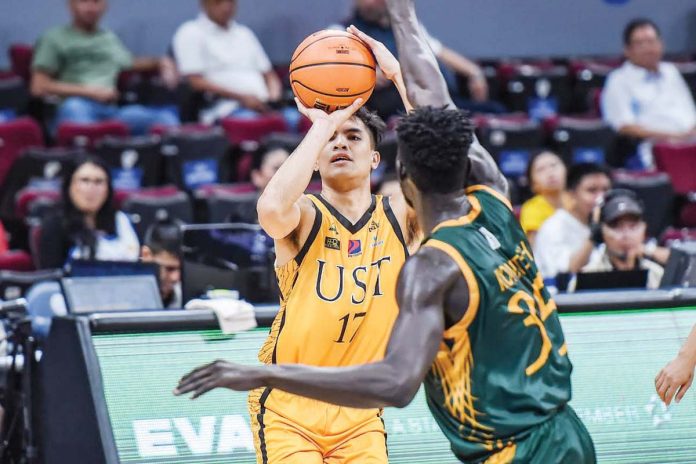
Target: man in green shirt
<point>80,64</point>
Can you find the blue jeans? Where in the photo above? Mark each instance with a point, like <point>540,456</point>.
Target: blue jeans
<point>138,118</point>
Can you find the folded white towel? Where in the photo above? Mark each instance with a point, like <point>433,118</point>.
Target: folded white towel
<point>232,315</point>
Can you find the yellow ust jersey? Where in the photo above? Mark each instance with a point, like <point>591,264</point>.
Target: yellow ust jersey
<point>338,298</point>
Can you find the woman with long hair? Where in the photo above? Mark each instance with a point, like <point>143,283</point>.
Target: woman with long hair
<point>87,227</point>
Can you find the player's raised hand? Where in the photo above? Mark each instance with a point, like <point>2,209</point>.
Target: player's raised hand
<point>385,59</point>
<point>337,118</point>
<point>675,377</point>
<point>219,374</point>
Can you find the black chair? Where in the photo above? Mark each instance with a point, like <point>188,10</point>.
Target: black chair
<point>135,162</point>
<point>15,284</point>
<point>40,168</point>
<point>528,83</point>
<point>656,192</point>
<point>584,140</point>
<point>14,97</point>
<point>229,207</point>
<point>145,210</point>
<point>511,143</point>
<point>196,159</point>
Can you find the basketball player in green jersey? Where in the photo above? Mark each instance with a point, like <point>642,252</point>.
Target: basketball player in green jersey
<point>476,324</point>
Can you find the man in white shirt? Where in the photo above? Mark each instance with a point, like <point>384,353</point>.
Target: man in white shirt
<point>647,98</point>
<point>219,56</point>
<point>563,243</point>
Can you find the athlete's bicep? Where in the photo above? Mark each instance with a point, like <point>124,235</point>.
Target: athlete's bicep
<point>424,283</point>
<point>287,247</point>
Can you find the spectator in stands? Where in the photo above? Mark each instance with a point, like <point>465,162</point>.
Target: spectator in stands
<point>88,227</point>
<point>267,160</point>
<point>372,17</point>
<point>563,243</point>
<point>219,56</point>
<point>647,98</point>
<point>163,247</point>
<point>623,234</point>
<point>546,173</point>
<point>80,64</point>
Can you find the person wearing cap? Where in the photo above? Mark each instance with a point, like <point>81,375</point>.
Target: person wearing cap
<point>622,230</point>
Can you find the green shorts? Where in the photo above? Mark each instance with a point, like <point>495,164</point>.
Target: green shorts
<point>563,439</point>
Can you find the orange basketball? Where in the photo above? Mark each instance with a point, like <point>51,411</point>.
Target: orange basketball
<point>331,69</point>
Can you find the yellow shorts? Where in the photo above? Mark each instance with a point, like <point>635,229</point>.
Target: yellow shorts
<point>290,429</point>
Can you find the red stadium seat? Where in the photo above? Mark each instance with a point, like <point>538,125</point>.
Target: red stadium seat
<point>245,130</point>
<point>120,196</point>
<point>15,137</point>
<point>672,235</point>
<point>677,160</point>
<point>192,128</point>
<point>86,135</point>
<point>20,59</point>
<point>16,260</point>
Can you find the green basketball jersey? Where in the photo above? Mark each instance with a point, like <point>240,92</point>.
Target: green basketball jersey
<point>503,368</point>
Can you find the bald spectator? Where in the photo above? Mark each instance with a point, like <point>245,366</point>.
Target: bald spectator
<point>647,98</point>
<point>80,64</point>
<point>221,57</point>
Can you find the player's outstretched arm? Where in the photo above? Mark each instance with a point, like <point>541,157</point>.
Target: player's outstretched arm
<point>278,206</point>
<point>425,83</point>
<point>424,283</point>
<point>678,375</point>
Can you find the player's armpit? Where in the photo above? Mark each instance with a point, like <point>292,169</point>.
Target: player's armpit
<point>485,171</point>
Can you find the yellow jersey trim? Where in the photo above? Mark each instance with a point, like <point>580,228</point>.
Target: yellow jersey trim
<point>474,294</point>
<point>490,190</point>
<point>464,220</point>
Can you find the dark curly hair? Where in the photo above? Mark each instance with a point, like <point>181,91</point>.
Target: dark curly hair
<point>374,124</point>
<point>434,148</point>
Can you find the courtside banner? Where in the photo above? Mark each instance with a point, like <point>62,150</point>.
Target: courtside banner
<point>616,356</point>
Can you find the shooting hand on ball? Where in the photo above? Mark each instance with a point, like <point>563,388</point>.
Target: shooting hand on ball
<point>336,119</point>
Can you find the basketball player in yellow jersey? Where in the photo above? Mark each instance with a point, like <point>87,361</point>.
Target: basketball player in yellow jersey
<point>338,255</point>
